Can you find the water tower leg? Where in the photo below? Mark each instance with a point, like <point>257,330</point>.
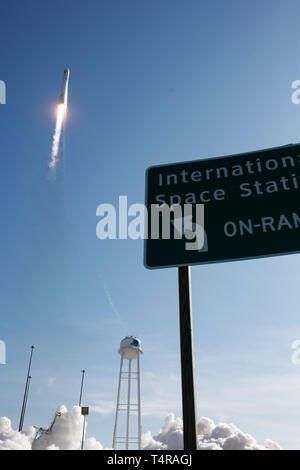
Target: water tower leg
<point>128,404</point>
<point>118,406</point>
<point>139,404</point>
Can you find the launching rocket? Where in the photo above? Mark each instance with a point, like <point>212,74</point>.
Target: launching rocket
<point>63,99</point>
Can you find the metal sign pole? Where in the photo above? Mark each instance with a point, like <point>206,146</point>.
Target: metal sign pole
<point>81,388</point>
<point>84,412</point>
<point>83,430</point>
<point>189,409</point>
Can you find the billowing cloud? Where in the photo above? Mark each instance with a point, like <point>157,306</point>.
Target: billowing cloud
<point>14,440</point>
<point>210,437</point>
<point>66,434</point>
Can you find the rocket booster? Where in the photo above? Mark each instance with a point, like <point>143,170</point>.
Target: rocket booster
<point>63,99</point>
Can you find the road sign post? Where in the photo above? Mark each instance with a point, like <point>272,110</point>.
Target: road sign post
<point>189,408</point>
<point>233,208</point>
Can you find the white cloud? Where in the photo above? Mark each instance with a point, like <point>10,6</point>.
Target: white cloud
<point>103,408</point>
<point>51,381</point>
<point>210,437</point>
<point>66,434</point>
<point>14,440</point>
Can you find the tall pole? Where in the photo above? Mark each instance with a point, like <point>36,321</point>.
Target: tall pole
<point>139,404</point>
<point>118,405</point>
<point>128,404</point>
<point>80,400</point>
<point>24,402</point>
<point>26,392</point>
<point>189,409</point>
<point>83,431</point>
<point>81,388</point>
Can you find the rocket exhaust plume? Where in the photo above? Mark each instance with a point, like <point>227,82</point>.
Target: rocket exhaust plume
<point>56,137</point>
<point>60,119</point>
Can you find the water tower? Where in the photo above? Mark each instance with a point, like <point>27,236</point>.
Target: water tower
<point>130,350</point>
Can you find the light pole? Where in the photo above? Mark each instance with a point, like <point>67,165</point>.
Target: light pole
<point>26,392</point>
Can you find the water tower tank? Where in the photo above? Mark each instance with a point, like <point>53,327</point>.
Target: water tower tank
<point>130,347</point>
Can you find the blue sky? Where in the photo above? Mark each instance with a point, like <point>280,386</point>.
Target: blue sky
<point>151,82</point>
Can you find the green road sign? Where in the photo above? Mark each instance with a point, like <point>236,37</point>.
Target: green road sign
<point>248,206</point>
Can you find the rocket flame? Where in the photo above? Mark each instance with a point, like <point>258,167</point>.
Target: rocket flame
<point>61,114</point>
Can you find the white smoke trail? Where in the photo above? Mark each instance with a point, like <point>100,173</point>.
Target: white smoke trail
<point>61,112</point>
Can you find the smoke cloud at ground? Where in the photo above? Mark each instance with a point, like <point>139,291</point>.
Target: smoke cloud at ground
<point>210,437</point>
<point>66,434</point>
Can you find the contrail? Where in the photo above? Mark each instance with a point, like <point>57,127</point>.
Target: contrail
<point>111,302</point>
<point>60,119</point>
<point>61,112</point>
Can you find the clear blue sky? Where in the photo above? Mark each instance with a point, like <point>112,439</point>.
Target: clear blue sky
<point>151,82</point>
